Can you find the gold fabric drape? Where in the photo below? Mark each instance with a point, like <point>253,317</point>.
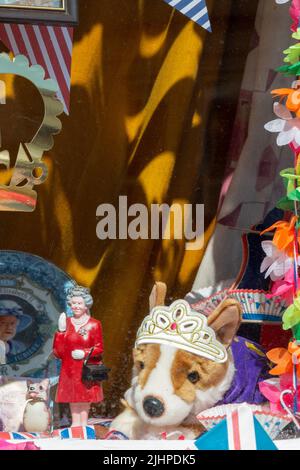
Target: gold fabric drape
<point>152,98</point>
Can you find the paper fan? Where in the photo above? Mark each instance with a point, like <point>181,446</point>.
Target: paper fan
<point>208,305</point>
<point>256,306</point>
<point>273,423</point>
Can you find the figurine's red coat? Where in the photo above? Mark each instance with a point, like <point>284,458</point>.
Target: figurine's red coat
<point>71,389</point>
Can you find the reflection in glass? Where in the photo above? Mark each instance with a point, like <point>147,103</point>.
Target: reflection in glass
<point>47,4</point>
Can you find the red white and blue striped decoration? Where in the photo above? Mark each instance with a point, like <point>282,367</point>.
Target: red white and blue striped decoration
<point>196,10</point>
<point>82,433</point>
<point>23,436</point>
<point>49,46</point>
<point>239,431</point>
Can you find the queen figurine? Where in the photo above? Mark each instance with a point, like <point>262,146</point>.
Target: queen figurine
<point>78,337</point>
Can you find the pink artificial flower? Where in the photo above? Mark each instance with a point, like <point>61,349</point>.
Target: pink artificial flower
<point>272,389</point>
<point>284,289</point>
<point>295,13</point>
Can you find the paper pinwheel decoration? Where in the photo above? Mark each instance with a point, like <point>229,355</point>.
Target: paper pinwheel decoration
<point>283,393</point>
<point>272,390</point>
<point>292,185</point>
<point>284,237</point>
<point>287,236</point>
<point>291,317</point>
<point>283,358</point>
<point>295,15</point>
<point>288,70</point>
<point>287,126</point>
<point>276,263</point>
<point>293,98</point>
<point>285,288</point>
<point>292,54</point>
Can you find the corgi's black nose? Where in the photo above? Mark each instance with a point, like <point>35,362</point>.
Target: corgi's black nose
<point>153,407</point>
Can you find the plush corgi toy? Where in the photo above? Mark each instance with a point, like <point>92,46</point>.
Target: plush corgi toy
<point>185,363</point>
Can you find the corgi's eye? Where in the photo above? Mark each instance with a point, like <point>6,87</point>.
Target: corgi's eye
<point>194,377</point>
<point>142,365</point>
<point>41,388</point>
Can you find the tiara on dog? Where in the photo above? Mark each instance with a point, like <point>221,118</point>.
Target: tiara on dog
<point>181,327</point>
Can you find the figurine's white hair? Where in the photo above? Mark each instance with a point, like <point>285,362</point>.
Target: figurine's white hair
<point>78,291</point>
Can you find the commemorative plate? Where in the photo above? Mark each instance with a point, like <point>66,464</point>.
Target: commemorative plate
<point>32,296</point>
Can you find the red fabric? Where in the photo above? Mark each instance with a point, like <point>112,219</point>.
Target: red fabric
<point>71,389</point>
<point>273,336</point>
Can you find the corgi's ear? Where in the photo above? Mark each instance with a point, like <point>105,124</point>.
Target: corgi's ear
<point>138,353</point>
<point>225,320</point>
<point>158,295</point>
<point>29,382</point>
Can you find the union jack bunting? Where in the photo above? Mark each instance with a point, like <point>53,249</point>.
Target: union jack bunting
<point>82,433</point>
<point>196,10</point>
<point>23,436</point>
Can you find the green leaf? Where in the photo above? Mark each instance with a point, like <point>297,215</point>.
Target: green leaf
<point>296,35</point>
<point>290,187</point>
<point>291,316</point>
<point>296,332</point>
<point>290,69</point>
<point>290,179</point>
<point>294,195</point>
<point>292,54</point>
<point>289,173</point>
<point>285,204</point>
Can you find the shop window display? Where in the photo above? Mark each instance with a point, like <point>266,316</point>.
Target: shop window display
<point>156,147</point>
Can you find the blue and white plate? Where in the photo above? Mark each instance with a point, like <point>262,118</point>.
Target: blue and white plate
<point>32,296</point>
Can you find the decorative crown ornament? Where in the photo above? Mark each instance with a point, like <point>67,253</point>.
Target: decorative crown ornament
<point>29,169</point>
<point>179,326</point>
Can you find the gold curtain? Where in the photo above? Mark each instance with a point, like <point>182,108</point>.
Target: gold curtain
<point>146,122</point>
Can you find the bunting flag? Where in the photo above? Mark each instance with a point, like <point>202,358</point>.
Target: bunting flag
<point>49,46</point>
<point>196,10</point>
<point>239,431</point>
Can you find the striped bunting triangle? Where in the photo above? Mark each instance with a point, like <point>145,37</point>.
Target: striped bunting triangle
<point>49,46</point>
<point>196,10</point>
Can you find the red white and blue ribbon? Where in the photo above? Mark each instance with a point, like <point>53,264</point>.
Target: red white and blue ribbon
<point>49,46</point>
<point>196,10</point>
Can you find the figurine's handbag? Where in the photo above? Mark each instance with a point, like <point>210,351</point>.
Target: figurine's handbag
<point>94,372</point>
